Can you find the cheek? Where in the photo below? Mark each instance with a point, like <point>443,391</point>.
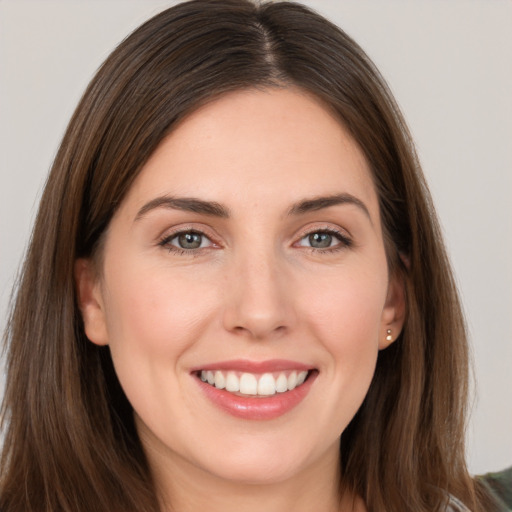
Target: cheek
<point>152,319</point>
<point>346,309</point>
<point>152,309</point>
<point>346,317</point>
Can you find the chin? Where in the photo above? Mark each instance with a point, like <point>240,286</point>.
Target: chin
<point>273,470</point>
<point>264,461</point>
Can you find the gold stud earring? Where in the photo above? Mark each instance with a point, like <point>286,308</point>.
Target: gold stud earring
<point>389,337</point>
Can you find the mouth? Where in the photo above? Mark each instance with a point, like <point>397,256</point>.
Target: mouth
<point>252,384</point>
<point>248,391</point>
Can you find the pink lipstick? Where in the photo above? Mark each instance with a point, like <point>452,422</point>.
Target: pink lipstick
<point>261,390</point>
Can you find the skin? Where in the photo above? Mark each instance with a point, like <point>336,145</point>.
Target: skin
<point>255,290</point>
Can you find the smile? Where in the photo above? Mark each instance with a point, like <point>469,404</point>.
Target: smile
<point>252,390</point>
<point>250,384</point>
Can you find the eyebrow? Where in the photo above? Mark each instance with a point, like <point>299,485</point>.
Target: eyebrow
<point>319,203</point>
<point>186,204</point>
<point>214,209</point>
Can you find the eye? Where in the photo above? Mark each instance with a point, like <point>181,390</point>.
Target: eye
<point>186,241</point>
<point>325,239</point>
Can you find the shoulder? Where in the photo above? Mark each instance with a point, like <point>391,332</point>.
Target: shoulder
<point>499,486</point>
<point>454,505</point>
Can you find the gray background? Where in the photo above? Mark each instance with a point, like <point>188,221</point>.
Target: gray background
<point>449,64</point>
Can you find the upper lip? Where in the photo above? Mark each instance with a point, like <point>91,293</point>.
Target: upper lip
<point>244,365</point>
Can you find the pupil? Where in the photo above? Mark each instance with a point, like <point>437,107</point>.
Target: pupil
<point>190,240</point>
<point>320,240</point>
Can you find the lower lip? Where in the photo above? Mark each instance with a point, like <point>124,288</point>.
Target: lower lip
<point>257,407</point>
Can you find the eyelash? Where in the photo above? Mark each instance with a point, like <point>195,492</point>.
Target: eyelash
<point>165,242</point>
<point>344,242</point>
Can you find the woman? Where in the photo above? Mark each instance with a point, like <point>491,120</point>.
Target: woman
<point>236,262</point>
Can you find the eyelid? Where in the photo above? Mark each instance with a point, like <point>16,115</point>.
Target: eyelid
<point>343,236</point>
<point>169,234</point>
<point>322,227</point>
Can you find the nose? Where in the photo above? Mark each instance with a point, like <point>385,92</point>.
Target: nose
<point>259,298</point>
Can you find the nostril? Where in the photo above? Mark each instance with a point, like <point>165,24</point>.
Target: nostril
<point>259,329</point>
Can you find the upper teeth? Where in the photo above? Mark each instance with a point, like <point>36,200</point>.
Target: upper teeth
<point>250,384</point>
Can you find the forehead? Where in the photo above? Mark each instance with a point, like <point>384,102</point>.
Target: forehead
<point>259,146</point>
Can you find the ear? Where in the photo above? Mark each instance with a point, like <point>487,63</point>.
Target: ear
<point>90,301</point>
<point>393,315</point>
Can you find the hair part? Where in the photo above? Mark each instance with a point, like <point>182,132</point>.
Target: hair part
<point>70,441</point>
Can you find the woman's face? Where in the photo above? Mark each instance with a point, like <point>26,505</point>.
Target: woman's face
<point>249,251</point>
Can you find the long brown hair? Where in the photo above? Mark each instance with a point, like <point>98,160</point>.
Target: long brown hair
<point>70,442</point>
